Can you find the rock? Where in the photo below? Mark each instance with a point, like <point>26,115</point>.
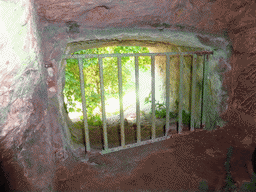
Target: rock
<point>36,35</point>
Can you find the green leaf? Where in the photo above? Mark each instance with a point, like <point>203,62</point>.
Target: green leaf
<point>110,75</point>
<point>71,110</point>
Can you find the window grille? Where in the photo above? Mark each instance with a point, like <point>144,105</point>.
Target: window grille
<point>194,55</point>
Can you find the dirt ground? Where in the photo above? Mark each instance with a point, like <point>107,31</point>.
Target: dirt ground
<point>113,131</point>
<point>177,164</point>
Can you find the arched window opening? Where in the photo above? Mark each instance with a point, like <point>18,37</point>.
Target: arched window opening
<point>129,96</point>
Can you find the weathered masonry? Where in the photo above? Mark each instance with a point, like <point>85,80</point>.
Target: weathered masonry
<point>194,56</point>
<point>35,139</point>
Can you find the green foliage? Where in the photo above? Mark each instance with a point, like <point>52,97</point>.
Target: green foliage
<point>72,90</point>
<point>251,186</point>
<point>160,109</point>
<point>160,112</point>
<point>229,181</point>
<point>65,107</point>
<point>203,186</point>
<point>247,187</point>
<point>186,117</point>
<point>94,120</point>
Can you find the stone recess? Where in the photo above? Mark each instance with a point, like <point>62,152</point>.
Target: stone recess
<point>34,36</point>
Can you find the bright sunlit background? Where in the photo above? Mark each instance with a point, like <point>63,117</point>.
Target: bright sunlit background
<point>129,99</point>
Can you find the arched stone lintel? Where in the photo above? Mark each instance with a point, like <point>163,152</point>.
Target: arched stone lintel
<point>146,38</point>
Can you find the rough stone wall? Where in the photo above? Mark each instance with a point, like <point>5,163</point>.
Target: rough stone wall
<point>175,76</point>
<point>238,19</point>
<point>216,96</point>
<point>35,35</point>
<point>26,135</point>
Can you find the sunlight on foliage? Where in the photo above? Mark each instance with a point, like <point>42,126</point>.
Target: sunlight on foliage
<point>72,90</point>
<point>214,92</point>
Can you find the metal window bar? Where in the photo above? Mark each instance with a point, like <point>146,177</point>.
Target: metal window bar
<point>153,97</point>
<point>204,90</point>
<point>181,94</point>
<point>193,96</point>
<point>167,94</point>
<point>103,105</point>
<point>81,75</point>
<point>120,87</point>
<point>137,99</point>
<point>136,55</point>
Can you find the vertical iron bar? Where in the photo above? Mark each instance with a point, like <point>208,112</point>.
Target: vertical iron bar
<point>153,96</point>
<point>87,140</point>
<point>194,64</point>
<point>120,87</point>
<point>204,95</point>
<point>181,94</point>
<point>201,123</point>
<point>167,94</point>
<point>103,105</point>
<point>137,99</point>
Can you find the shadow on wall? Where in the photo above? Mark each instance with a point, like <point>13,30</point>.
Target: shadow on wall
<point>4,183</point>
<point>11,174</point>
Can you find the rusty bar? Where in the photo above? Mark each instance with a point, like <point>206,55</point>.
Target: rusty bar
<point>203,52</point>
<point>137,99</point>
<point>81,74</point>
<point>129,146</point>
<point>167,125</point>
<point>193,92</point>
<point>205,84</point>
<point>153,97</point>
<point>136,54</point>
<point>103,105</point>
<point>120,88</point>
<point>181,94</point>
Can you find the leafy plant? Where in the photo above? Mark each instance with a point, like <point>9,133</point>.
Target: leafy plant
<point>160,112</point>
<point>72,91</point>
<point>251,186</point>
<point>94,120</point>
<point>203,186</point>
<point>230,184</point>
<point>186,117</point>
<point>229,181</point>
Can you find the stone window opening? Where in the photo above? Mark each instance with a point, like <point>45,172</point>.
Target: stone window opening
<point>196,56</point>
